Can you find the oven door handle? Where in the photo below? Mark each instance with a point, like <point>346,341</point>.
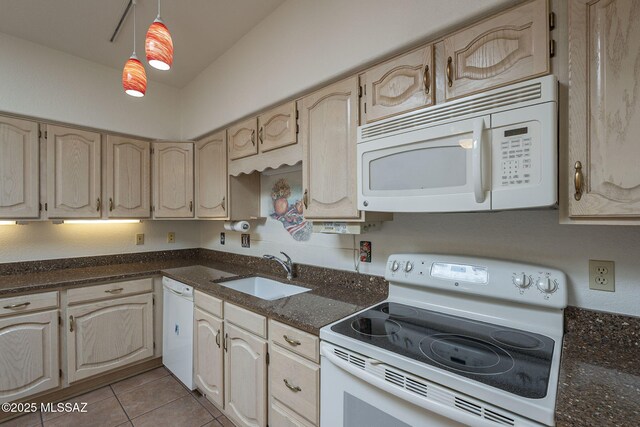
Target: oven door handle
<point>476,160</point>
<point>430,405</point>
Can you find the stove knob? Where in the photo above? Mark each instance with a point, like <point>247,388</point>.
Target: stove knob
<point>395,266</point>
<point>522,281</point>
<point>546,285</point>
<point>408,266</point>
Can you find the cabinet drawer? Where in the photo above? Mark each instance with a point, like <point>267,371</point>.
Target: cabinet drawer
<point>246,319</point>
<point>280,416</point>
<point>109,290</point>
<point>208,303</point>
<point>302,343</point>
<point>295,383</point>
<point>28,303</point>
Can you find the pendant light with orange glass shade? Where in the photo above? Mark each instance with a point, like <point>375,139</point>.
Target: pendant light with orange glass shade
<point>159,45</point>
<point>134,77</point>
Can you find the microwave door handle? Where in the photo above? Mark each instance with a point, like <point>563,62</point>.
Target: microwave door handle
<point>476,160</point>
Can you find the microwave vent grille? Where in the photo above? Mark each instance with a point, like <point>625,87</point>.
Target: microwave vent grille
<point>509,97</point>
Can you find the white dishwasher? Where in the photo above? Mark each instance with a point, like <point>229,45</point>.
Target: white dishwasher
<point>177,326</point>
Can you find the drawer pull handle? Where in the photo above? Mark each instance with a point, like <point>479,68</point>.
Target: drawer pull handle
<point>14,306</point>
<point>578,181</point>
<point>294,389</point>
<point>294,343</point>
<point>70,323</point>
<point>114,291</point>
<point>218,338</point>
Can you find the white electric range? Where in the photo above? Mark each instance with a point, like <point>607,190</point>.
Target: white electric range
<point>459,341</point>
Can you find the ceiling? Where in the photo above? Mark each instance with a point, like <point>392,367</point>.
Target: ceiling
<point>202,30</point>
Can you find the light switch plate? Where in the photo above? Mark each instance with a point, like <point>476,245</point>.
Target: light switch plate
<point>140,239</point>
<point>602,275</point>
<point>171,237</point>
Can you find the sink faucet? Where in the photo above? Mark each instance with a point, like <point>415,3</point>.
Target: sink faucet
<point>287,265</point>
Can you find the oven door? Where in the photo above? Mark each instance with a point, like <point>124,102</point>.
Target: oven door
<point>444,168</point>
<point>353,397</point>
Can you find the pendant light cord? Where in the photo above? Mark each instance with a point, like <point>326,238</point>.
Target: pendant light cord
<point>134,27</point>
<point>158,8</point>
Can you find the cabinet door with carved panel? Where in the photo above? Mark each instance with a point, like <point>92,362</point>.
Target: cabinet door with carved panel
<point>505,48</point>
<point>208,356</point>
<point>128,177</point>
<point>73,173</point>
<point>242,139</point>
<point>277,127</point>
<point>400,85</point>
<point>604,108</point>
<point>19,169</point>
<point>173,179</point>
<point>110,334</point>
<point>29,362</point>
<point>328,123</point>
<point>245,381</point>
<point>211,177</point>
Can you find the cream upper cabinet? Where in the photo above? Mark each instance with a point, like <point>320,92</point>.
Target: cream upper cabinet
<point>211,177</point>
<point>604,118</point>
<point>173,179</point>
<point>399,85</point>
<point>245,377</point>
<point>242,139</point>
<point>508,47</point>
<point>277,127</point>
<point>209,356</point>
<point>29,362</point>
<point>128,177</point>
<point>109,334</point>
<point>19,169</point>
<point>73,173</point>
<point>328,123</point>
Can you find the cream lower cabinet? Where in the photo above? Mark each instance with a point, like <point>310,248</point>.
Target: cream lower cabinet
<point>109,334</point>
<point>294,377</point>
<point>208,356</point>
<point>28,354</point>
<point>245,377</point>
<point>604,117</point>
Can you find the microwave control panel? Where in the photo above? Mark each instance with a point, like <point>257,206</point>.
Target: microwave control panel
<point>518,154</point>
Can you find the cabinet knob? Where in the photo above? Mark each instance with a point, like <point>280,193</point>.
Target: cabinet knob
<point>450,71</point>
<point>578,180</point>
<point>426,80</point>
<point>293,388</point>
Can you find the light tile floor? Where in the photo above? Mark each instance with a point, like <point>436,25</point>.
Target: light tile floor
<point>154,398</point>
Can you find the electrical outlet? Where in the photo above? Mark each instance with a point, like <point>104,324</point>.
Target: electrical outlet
<point>245,240</point>
<point>365,251</point>
<point>140,239</point>
<point>171,237</point>
<point>222,238</point>
<point>602,275</point>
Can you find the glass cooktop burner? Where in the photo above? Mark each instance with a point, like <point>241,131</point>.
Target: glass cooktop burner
<point>375,326</point>
<point>517,339</point>
<point>509,359</point>
<point>466,354</point>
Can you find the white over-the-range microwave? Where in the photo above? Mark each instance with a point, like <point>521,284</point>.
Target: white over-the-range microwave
<point>496,150</point>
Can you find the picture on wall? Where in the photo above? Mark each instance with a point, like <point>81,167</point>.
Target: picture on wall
<point>285,203</point>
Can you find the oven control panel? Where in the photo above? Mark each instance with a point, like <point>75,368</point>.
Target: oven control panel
<point>498,279</point>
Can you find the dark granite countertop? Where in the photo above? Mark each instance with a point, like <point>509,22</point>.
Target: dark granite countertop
<point>308,311</point>
<point>334,294</point>
<point>599,381</point>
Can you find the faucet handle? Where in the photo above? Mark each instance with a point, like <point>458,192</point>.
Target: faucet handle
<point>287,257</point>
